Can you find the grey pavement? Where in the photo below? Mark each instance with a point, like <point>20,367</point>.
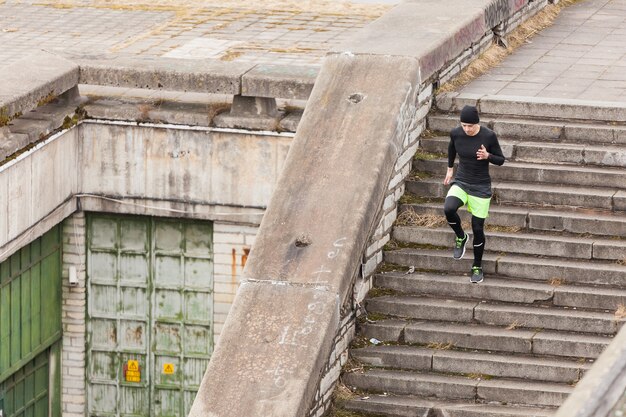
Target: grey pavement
<point>258,31</point>
<point>581,56</point>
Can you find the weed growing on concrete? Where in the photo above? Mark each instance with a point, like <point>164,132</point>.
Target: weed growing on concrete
<point>513,326</point>
<point>409,198</point>
<point>410,218</point>
<point>48,98</point>
<point>418,175</point>
<point>378,292</point>
<point>621,261</point>
<point>556,282</point>
<point>388,267</point>
<point>503,229</point>
<point>422,155</point>
<point>479,377</point>
<point>440,346</point>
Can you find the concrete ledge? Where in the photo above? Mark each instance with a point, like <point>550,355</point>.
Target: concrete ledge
<point>34,80</point>
<point>543,107</point>
<point>284,81</point>
<point>268,351</point>
<point>602,386</point>
<point>458,25</point>
<point>202,76</point>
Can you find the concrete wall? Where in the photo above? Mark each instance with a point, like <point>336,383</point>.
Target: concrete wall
<point>222,176</point>
<point>204,173</point>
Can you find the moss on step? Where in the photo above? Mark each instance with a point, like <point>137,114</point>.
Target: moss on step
<point>422,155</point>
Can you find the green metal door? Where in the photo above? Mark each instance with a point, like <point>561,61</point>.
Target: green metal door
<point>30,327</point>
<point>150,285</point>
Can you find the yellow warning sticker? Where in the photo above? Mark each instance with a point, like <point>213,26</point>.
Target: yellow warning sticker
<point>168,368</point>
<point>132,372</point>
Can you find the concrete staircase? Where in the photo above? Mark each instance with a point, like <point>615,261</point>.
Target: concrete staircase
<point>554,289</point>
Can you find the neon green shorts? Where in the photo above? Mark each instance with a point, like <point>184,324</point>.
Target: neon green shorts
<point>478,206</point>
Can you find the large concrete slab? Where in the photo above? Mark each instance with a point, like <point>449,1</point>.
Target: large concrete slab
<point>283,347</point>
<point>396,33</point>
<point>284,81</point>
<point>307,235</point>
<point>33,80</point>
<point>201,76</point>
<point>199,165</point>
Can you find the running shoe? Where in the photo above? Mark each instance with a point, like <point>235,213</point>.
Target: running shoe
<point>459,246</point>
<point>477,275</point>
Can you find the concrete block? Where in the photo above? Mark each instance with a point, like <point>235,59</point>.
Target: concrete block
<point>279,81</point>
<point>399,357</point>
<point>502,290</point>
<point>550,153</point>
<point>286,348</point>
<point>471,337</point>
<point>546,318</point>
<point>619,201</point>
<point>397,382</point>
<point>563,344</point>
<point>589,133</point>
<point>290,122</point>
<point>589,297</point>
<point>33,80</point>
<point>605,156</point>
<point>609,249</point>
<point>570,271</point>
<point>254,113</point>
<point>202,76</point>
<point>526,129</point>
<point>522,392</point>
<point>385,331</point>
<point>423,308</point>
<point>554,195</point>
<point>506,366</point>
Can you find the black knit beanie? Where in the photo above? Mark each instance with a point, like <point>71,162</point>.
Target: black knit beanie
<point>469,115</point>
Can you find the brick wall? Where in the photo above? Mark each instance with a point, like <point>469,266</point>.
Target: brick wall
<point>232,244</point>
<point>73,355</point>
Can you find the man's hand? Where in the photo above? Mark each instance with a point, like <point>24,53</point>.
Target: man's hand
<point>482,153</point>
<point>448,178</point>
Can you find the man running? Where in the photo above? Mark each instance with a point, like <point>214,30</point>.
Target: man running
<point>476,146</point>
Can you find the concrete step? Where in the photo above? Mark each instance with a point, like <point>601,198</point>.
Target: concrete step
<point>594,222</point>
<point>457,387</point>
<point>503,289</point>
<point>522,128</point>
<point>591,176</point>
<point>489,338</point>
<point>422,308</point>
<point>546,151</point>
<point>406,406</point>
<point>469,362</point>
<point>538,194</point>
<point>513,315</point>
<point>548,270</point>
<point>526,243</point>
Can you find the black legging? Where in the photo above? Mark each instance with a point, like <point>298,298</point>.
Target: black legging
<point>450,208</point>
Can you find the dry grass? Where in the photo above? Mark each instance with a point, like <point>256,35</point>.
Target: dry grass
<point>495,54</point>
<point>620,313</point>
<point>410,218</point>
<point>621,261</point>
<point>440,346</point>
<point>504,229</point>
<point>513,326</point>
<point>556,282</point>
